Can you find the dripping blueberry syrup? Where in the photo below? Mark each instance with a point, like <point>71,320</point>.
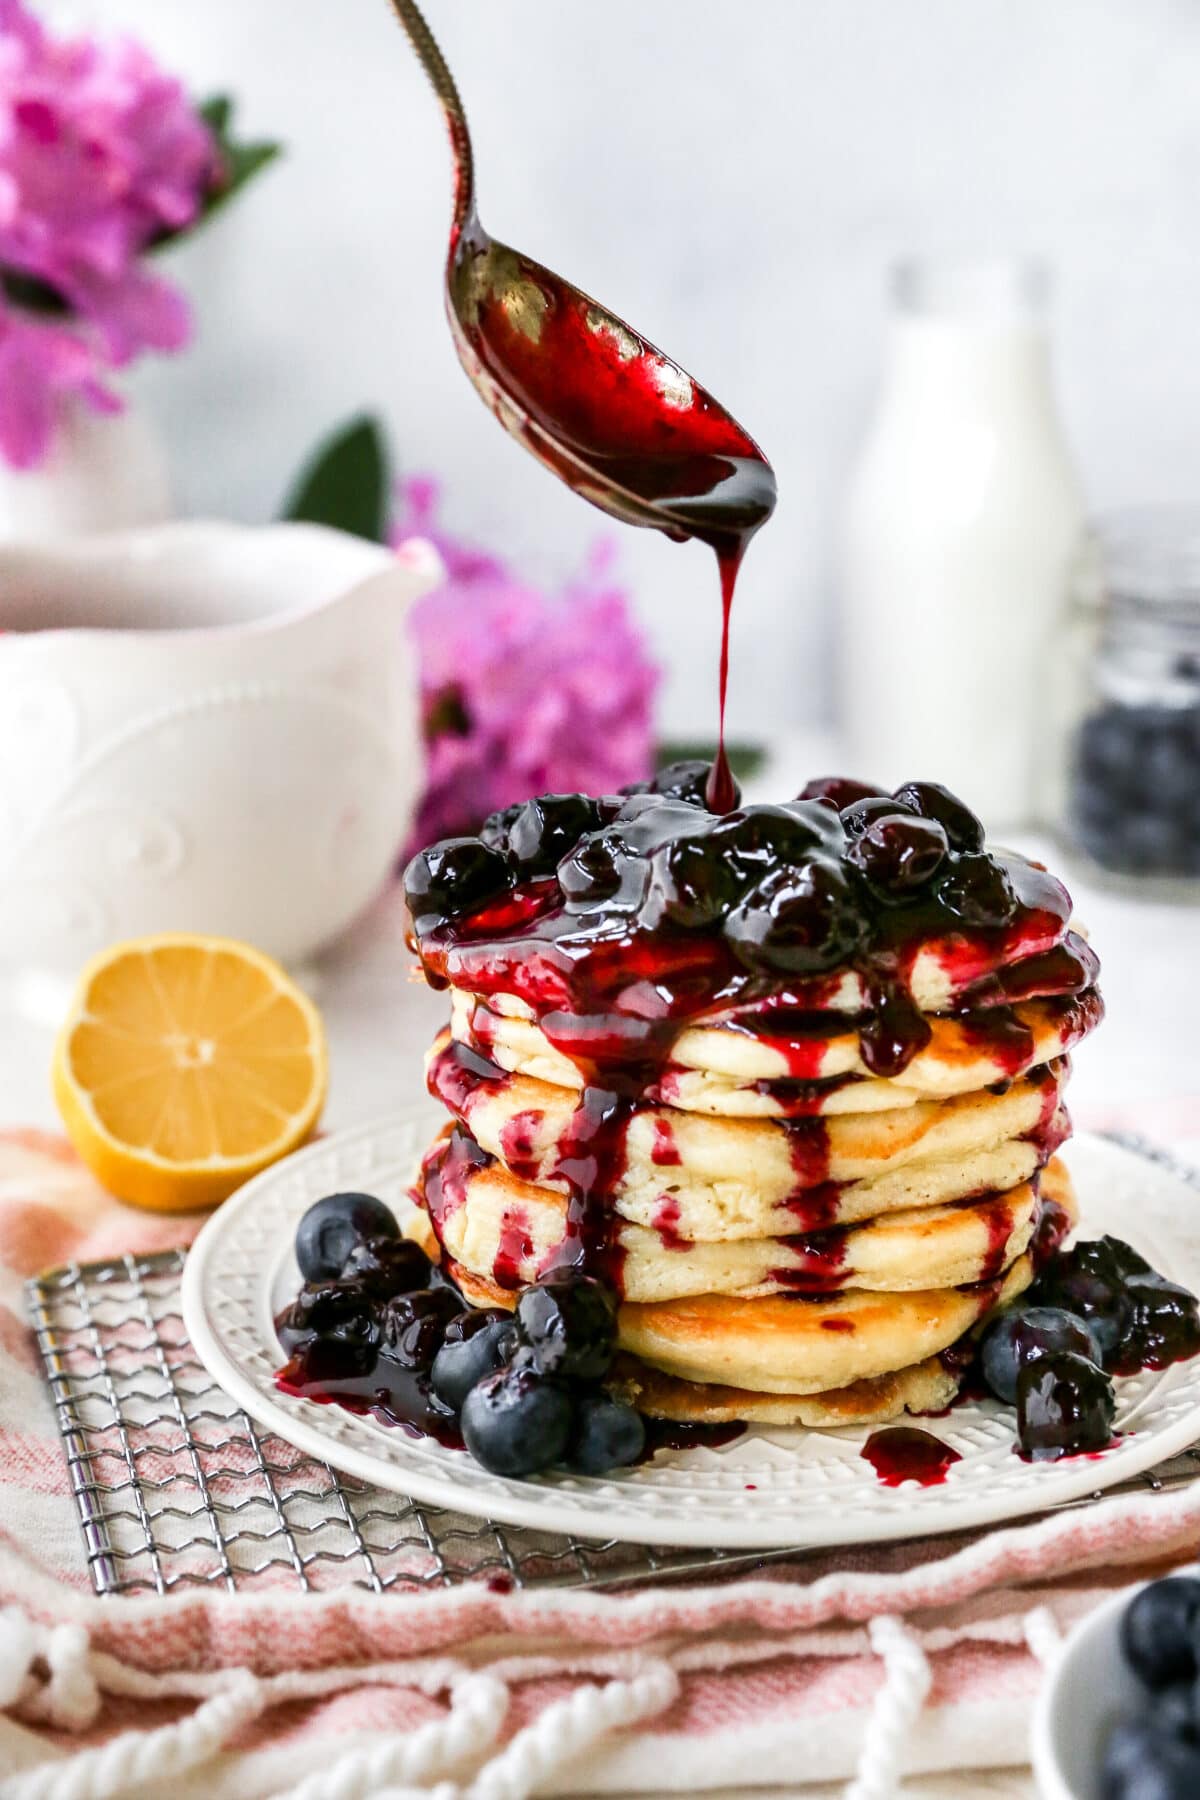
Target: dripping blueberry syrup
<point>664,1152</point>
<point>666,1222</point>
<point>614,419</point>
<point>514,1251</point>
<point>518,1144</point>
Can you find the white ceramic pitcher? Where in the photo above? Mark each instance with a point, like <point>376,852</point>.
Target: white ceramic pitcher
<point>203,727</point>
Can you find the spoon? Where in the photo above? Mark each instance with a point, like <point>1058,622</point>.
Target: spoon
<point>590,397</point>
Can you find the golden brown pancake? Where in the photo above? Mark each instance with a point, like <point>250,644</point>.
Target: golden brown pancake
<point>736,1073</point>
<point>498,1226</point>
<point>792,1346</point>
<point>723,1179</point>
<point>784,1346</point>
<point>925,1387</point>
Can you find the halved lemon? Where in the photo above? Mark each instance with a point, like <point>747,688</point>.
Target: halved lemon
<point>186,1065</point>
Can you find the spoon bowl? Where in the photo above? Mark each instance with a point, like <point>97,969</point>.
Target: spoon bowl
<point>590,397</point>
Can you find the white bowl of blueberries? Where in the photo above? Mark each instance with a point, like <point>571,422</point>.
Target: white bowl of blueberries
<point>1120,1717</point>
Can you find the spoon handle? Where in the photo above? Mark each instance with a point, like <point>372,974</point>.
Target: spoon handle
<point>438,71</point>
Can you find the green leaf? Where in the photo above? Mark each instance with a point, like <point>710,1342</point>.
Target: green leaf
<point>239,162</point>
<point>346,481</point>
<point>744,759</point>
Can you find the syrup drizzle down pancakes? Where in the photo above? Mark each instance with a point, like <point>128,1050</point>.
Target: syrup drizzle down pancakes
<point>789,1079</point>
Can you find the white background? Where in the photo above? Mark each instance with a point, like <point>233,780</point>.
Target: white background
<point>736,178</point>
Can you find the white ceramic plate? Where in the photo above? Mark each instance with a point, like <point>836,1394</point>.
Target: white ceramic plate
<point>767,1489</point>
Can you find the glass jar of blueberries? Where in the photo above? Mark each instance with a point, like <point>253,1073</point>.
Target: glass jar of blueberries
<point>1130,799</point>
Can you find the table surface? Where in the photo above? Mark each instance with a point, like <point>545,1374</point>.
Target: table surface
<point>1140,1072</point>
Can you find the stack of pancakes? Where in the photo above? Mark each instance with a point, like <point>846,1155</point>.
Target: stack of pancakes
<point>795,1238</point>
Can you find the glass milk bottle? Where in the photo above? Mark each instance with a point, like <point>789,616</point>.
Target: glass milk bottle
<point>963,521</point>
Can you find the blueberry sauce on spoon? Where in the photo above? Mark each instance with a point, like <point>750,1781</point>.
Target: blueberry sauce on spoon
<point>614,417</point>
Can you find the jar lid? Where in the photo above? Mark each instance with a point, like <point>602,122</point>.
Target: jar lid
<point>1151,558</point>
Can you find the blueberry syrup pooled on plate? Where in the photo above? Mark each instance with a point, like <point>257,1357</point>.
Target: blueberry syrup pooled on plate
<point>903,1453</point>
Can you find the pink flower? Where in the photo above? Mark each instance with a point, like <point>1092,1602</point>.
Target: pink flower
<point>101,154</point>
<point>523,692</point>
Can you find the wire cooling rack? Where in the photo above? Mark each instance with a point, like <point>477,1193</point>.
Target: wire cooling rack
<point>175,1485</point>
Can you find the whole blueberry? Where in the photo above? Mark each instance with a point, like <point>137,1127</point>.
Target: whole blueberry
<point>1022,1335</point>
<point>1169,765</point>
<point>546,829</point>
<point>698,883</point>
<point>336,1225</point>
<point>472,1354</point>
<point>933,801</point>
<point>388,1265</point>
<point>495,828</point>
<point>1173,1711</point>
<point>1141,1763</point>
<point>898,853</point>
<point>861,814</point>
<point>328,1309</point>
<point>1158,1631</point>
<point>517,1422</point>
<point>1106,747</point>
<point>598,869</point>
<point>414,1326</point>
<point>797,921</point>
<point>569,1322</point>
<point>333,1329</point>
<point>840,791</point>
<point>1090,1280</point>
<point>648,821</point>
<point>1161,1323</point>
<point>607,1435</point>
<point>978,891</point>
<point>451,879</point>
<point>684,780</point>
<point>1065,1405</point>
<point>758,839</point>
<point>1150,844</point>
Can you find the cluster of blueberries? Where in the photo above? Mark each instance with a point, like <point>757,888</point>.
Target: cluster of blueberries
<point>794,889</point>
<point>1135,792</point>
<point>1096,1309</point>
<point>524,1386</point>
<point>1157,1755</point>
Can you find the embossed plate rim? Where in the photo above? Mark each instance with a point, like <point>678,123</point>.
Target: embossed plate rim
<point>768,1489</point>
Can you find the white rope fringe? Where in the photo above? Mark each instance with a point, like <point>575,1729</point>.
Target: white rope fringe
<point>145,1756</point>
<point>897,1707</point>
<point>49,1674</point>
<point>571,1726</point>
<point>478,1706</point>
<point>68,1697</point>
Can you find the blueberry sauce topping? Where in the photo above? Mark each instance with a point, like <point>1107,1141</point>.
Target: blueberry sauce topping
<point>623,920</point>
